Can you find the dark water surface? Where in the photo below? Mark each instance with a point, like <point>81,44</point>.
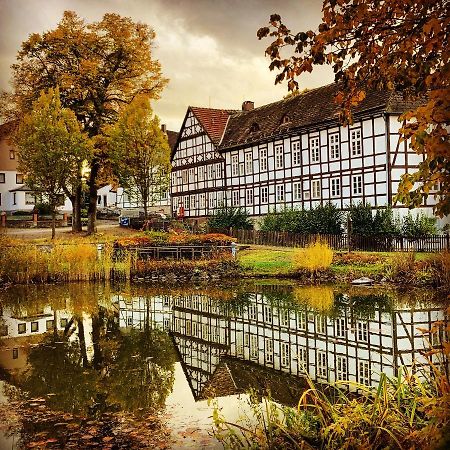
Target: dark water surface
<point>107,353</point>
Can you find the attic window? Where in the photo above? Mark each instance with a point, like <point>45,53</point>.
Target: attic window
<point>285,120</point>
<point>254,128</point>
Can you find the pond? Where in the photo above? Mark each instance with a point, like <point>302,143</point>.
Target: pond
<point>133,366</point>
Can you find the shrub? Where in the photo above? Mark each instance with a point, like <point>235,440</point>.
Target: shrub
<point>314,258</point>
<point>365,223</point>
<point>225,218</point>
<point>324,219</point>
<point>420,225</point>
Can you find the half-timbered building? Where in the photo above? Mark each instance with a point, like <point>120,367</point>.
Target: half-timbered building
<point>295,153</point>
<point>198,180</point>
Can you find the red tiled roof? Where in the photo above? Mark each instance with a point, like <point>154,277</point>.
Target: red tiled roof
<point>213,121</point>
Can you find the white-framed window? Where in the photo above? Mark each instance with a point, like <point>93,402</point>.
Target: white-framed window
<point>212,200</point>
<point>341,368</point>
<point>252,312</point>
<point>262,159</point>
<point>297,191</point>
<point>2,178</point>
<point>211,172</point>
<point>192,175</point>
<point>362,330</point>
<point>284,318</point>
<point>321,324</point>
<point>201,173</point>
<point>356,142</point>
<point>218,170</point>
<point>279,156</point>
<point>241,168</point>
<point>239,343</point>
<point>322,364</point>
<point>333,142</point>
<point>335,187</point>
<point>30,199</point>
<point>301,320</point>
<point>192,202</point>
<point>235,198</point>
<point>340,327</point>
<point>280,193</point>
<point>202,200</point>
<point>364,373</point>
<point>314,148</point>
<point>267,311</point>
<point>316,189</point>
<point>249,196</point>
<point>296,153</point>
<point>284,354</point>
<point>220,199</point>
<point>248,163</point>
<point>19,178</point>
<point>254,347</point>
<point>357,184</point>
<point>235,165</point>
<point>264,194</point>
<point>186,202</point>
<point>302,360</point>
<point>268,350</point>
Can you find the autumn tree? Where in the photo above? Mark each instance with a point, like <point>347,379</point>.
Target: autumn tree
<point>140,152</point>
<point>99,67</point>
<point>385,44</point>
<point>51,149</point>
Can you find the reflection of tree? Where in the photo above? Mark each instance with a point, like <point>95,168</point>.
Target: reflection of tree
<point>143,371</point>
<point>55,371</point>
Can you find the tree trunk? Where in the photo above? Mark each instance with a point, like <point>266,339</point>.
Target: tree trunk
<point>92,208</point>
<point>76,210</point>
<point>53,222</point>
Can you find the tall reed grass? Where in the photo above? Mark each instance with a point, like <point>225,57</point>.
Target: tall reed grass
<point>30,263</point>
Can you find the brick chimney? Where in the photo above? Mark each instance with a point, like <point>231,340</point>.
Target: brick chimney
<point>164,128</point>
<point>248,105</point>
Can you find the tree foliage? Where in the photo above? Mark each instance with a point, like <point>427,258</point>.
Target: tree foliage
<point>140,152</point>
<point>51,148</point>
<point>99,67</point>
<point>390,44</point>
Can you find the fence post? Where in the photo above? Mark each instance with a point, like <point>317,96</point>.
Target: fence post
<point>35,219</point>
<point>447,239</point>
<point>3,219</point>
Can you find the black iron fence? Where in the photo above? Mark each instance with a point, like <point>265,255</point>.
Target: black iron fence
<point>377,243</point>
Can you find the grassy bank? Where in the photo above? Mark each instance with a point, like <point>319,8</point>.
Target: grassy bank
<point>79,259</point>
<point>413,268</point>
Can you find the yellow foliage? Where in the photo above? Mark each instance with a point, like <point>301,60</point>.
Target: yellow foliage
<point>314,258</point>
<point>320,298</point>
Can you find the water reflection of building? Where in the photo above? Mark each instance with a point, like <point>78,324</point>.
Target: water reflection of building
<point>138,312</point>
<point>20,331</point>
<point>217,346</point>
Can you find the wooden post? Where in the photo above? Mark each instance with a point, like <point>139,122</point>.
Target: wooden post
<point>35,219</point>
<point>3,220</point>
<point>447,239</point>
<point>65,216</point>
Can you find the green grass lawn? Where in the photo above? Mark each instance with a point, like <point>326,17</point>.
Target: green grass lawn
<point>273,261</point>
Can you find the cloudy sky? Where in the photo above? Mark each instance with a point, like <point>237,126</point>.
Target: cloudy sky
<point>208,48</point>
